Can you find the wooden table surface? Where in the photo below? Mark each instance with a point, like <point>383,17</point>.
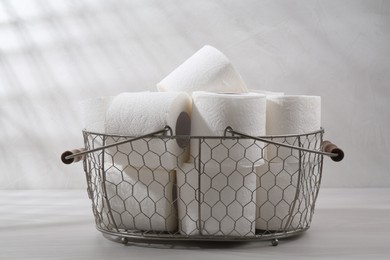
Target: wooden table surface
<point>58,224</point>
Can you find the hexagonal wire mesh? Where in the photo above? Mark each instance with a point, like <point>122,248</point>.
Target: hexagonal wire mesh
<point>230,188</point>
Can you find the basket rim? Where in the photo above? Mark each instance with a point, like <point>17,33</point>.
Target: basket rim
<point>321,130</point>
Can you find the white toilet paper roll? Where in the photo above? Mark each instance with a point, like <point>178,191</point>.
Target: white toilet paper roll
<point>141,199</point>
<point>227,203</point>
<point>188,199</point>
<point>213,112</point>
<point>93,113</point>
<point>291,115</point>
<point>136,114</point>
<point>280,201</point>
<point>206,70</point>
<point>229,200</point>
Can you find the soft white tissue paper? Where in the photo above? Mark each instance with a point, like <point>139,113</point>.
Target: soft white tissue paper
<point>187,177</point>
<point>206,70</point>
<point>229,200</point>
<point>291,115</point>
<point>213,112</point>
<point>141,199</point>
<point>227,204</point>
<point>136,114</point>
<point>93,113</point>
<point>280,204</point>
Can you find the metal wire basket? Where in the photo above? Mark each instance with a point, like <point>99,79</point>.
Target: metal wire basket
<point>234,187</point>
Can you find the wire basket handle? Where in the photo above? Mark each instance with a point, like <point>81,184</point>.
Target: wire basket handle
<point>76,155</point>
<point>327,147</point>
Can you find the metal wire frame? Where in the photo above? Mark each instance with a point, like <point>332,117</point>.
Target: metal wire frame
<point>304,181</point>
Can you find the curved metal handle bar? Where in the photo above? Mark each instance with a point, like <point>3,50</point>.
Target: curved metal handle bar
<point>230,130</point>
<point>328,150</point>
<point>68,155</point>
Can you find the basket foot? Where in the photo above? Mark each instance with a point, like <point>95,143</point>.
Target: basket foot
<point>274,242</point>
<point>124,240</point>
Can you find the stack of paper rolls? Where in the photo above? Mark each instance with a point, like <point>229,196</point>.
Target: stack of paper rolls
<point>227,204</point>
<point>140,176</point>
<point>280,193</point>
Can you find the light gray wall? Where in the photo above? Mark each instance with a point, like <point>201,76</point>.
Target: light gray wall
<point>55,53</point>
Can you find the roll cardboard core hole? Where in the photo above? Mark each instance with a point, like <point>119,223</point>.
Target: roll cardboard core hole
<point>183,127</point>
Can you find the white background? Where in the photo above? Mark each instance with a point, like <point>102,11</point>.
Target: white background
<point>55,53</point>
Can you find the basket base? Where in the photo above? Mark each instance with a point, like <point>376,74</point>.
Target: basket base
<point>170,240</point>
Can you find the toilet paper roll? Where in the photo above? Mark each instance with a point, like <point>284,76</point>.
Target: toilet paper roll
<point>188,199</point>
<point>141,199</point>
<point>291,115</point>
<point>227,204</point>
<point>229,200</point>
<point>136,114</point>
<point>279,197</point>
<point>213,112</point>
<point>206,70</point>
<point>93,113</point>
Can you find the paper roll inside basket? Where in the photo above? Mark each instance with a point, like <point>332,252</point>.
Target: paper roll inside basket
<point>213,112</point>
<point>280,197</point>
<point>188,199</point>
<point>291,115</point>
<point>140,199</point>
<point>136,114</point>
<point>206,70</point>
<point>227,203</point>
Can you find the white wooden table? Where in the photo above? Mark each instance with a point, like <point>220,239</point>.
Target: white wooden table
<point>58,224</point>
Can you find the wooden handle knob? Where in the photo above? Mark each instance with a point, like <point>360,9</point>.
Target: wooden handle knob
<point>73,159</point>
<point>329,147</point>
